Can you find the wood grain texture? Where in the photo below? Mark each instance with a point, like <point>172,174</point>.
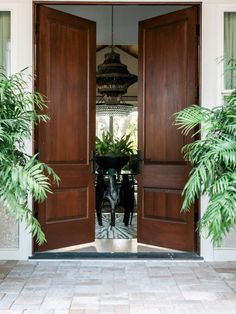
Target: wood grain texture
<point>56,209</point>
<point>163,205</point>
<point>167,83</point>
<point>66,75</point>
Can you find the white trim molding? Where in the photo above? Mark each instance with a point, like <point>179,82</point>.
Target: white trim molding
<point>224,254</point>
<point>12,253</point>
<point>221,91</point>
<point>13,9</point>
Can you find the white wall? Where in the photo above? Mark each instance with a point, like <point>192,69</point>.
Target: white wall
<point>210,77</point>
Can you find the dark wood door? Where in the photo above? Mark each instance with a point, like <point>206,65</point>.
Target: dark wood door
<point>66,75</point>
<point>167,83</point>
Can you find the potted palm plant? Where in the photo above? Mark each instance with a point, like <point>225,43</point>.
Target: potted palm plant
<point>112,152</point>
<point>213,159</point>
<point>21,174</point>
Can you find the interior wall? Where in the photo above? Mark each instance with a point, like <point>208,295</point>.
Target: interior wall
<point>126,19</point>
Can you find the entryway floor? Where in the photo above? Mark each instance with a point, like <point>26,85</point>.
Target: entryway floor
<point>117,287</point>
<point>114,245</point>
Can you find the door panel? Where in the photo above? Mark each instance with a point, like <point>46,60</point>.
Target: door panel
<point>66,75</point>
<point>168,82</point>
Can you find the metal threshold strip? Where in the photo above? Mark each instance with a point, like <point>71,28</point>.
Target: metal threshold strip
<point>169,256</point>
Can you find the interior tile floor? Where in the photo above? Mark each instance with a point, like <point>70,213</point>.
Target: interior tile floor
<point>117,287</point>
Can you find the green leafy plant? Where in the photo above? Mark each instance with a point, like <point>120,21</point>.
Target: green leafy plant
<point>21,174</point>
<point>213,158</point>
<point>108,144</point>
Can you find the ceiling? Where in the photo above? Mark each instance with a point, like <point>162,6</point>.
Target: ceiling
<point>126,19</point>
<point>132,50</point>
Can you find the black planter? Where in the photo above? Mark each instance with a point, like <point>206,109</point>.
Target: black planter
<point>112,161</point>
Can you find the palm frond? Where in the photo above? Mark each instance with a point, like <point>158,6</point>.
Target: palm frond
<point>220,216</point>
<point>190,117</point>
<point>20,174</point>
<point>213,159</point>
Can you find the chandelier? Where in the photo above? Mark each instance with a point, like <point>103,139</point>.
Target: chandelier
<point>113,108</point>
<point>113,80</point>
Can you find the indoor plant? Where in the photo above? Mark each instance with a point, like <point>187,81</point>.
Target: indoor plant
<point>113,152</point>
<point>213,158</point>
<point>21,174</point>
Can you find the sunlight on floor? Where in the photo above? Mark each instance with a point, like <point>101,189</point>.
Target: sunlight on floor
<point>114,245</point>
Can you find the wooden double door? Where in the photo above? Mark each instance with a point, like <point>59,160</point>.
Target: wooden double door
<point>167,80</point>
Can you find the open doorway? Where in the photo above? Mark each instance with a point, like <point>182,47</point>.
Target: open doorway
<point>166,61</point>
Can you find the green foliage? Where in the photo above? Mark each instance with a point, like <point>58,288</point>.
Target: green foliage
<point>213,160</point>
<point>108,144</point>
<point>21,174</point>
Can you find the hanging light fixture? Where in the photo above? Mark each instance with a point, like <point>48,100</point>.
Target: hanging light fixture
<point>119,108</point>
<point>113,80</point>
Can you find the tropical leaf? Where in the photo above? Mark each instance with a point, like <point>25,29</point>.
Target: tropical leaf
<point>20,174</point>
<point>110,144</point>
<point>213,160</point>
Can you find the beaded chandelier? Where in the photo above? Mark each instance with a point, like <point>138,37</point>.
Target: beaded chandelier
<point>113,80</point>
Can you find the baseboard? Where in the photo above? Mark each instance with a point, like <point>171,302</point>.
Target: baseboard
<point>9,254</point>
<point>224,254</point>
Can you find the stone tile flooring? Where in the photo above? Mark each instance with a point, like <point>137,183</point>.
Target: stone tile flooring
<point>117,287</point>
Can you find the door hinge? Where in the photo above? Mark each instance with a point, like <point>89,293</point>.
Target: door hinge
<point>36,28</point>
<point>197,94</point>
<point>93,162</point>
<point>196,217</point>
<point>36,32</point>
<point>198,29</point>
<point>198,34</point>
<point>36,152</point>
<point>36,211</point>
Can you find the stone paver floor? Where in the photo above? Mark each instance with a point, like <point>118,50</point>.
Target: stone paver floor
<point>119,287</point>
